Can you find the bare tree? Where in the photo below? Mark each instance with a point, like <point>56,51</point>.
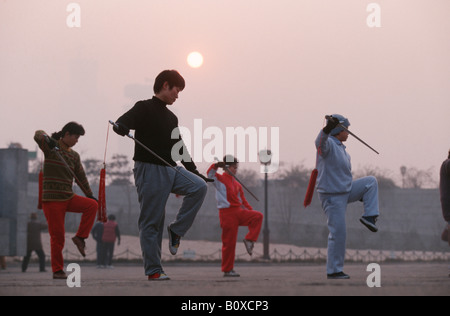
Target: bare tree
<point>383,176</point>
<point>417,179</point>
<point>92,169</point>
<point>288,194</point>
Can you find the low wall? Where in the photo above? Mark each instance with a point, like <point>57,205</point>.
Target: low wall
<point>411,219</point>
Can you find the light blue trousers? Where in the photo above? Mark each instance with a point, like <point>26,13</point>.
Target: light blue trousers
<point>335,207</point>
<point>154,185</point>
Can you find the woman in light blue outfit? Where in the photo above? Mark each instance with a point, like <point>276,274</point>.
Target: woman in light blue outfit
<point>337,188</point>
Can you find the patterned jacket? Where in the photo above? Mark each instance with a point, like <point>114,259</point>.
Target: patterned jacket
<point>58,181</point>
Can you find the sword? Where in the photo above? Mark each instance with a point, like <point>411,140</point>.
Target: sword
<point>328,117</point>
<point>152,152</point>
<point>239,181</point>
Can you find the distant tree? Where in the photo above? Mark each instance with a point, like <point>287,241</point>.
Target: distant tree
<point>119,170</point>
<point>414,178</point>
<point>92,169</point>
<point>250,178</point>
<point>383,177</point>
<point>289,190</point>
<point>296,176</point>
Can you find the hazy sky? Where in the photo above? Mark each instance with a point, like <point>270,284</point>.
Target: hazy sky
<point>267,63</point>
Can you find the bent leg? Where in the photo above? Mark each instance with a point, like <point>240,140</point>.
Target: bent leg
<point>366,189</point>
<point>253,219</point>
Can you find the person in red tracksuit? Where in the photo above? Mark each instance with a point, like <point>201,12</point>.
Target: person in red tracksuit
<point>234,211</point>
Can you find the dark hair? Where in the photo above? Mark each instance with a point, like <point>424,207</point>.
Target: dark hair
<point>230,160</point>
<point>72,128</point>
<point>172,77</point>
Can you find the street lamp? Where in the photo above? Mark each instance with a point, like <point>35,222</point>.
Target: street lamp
<point>265,157</point>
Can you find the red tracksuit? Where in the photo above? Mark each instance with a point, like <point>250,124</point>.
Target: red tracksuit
<point>234,211</point>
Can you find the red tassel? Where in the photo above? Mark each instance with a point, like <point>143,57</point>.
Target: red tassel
<point>311,187</point>
<point>101,214</point>
<point>41,184</point>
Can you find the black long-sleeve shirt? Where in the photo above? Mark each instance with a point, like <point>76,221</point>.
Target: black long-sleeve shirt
<point>154,123</point>
<point>445,189</point>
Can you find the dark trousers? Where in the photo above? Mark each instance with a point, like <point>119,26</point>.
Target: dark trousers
<point>41,256</point>
<point>105,252</point>
<point>109,252</point>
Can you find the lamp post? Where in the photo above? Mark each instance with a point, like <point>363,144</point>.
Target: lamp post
<point>265,157</point>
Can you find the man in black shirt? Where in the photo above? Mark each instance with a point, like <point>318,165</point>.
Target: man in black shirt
<point>444,187</point>
<point>154,124</point>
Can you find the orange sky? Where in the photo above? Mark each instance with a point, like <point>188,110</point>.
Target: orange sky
<point>267,63</point>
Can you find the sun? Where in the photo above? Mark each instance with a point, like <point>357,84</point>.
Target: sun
<point>195,60</point>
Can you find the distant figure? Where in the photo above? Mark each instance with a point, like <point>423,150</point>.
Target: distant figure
<point>444,187</point>
<point>3,262</point>
<point>34,242</point>
<point>111,232</point>
<point>234,211</point>
<point>97,234</point>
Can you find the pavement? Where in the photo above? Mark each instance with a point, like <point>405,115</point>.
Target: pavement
<point>257,279</point>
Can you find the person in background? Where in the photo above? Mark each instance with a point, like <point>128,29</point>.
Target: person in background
<point>444,188</point>
<point>111,232</point>
<point>97,233</point>
<point>34,242</point>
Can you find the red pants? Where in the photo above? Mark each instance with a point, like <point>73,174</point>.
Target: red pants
<point>55,212</point>
<point>230,220</point>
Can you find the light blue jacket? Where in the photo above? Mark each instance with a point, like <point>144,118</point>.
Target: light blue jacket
<point>334,166</point>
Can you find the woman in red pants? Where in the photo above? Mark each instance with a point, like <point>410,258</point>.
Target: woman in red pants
<point>57,195</point>
<point>234,211</point>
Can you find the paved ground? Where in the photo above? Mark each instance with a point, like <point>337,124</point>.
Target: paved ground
<point>257,279</point>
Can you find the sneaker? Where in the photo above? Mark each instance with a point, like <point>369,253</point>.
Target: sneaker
<point>249,246</point>
<point>59,275</point>
<point>369,222</point>
<point>81,245</point>
<point>338,276</point>
<point>232,274</point>
<point>158,277</point>
<point>174,241</point>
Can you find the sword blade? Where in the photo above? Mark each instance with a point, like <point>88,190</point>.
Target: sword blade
<point>358,138</point>
<point>345,128</point>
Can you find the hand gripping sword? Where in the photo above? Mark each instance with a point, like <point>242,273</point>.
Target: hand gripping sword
<point>152,152</point>
<point>328,117</point>
<point>239,181</point>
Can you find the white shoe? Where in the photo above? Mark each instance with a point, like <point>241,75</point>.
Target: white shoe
<point>232,274</point>
<point>174,241</point>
